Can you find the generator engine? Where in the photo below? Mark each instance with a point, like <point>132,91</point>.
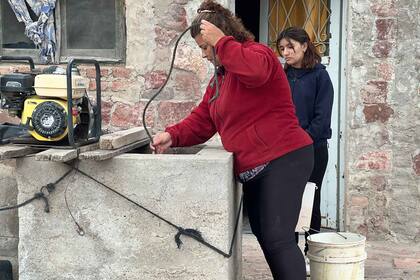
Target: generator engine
<point>40,101</point>
<point>14,89</point>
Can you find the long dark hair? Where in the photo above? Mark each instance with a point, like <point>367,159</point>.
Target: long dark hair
<point>311,56</point>
<point>221,17</point>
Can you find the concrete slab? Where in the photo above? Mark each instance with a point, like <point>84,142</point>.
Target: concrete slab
<point>122,241</point>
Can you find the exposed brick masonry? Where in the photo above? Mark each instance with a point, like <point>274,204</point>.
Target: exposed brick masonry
<point>383,154</point>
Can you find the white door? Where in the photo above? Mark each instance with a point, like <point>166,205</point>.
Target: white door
<point>270,24</point>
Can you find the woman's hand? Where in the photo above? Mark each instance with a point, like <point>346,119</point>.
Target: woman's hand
<point>210,33</point>
<point>161,142</point>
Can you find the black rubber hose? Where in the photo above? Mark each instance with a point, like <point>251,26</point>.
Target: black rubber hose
<point>163,85</point>
<point>167,79</point>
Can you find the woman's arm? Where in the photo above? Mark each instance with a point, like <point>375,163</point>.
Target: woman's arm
<point>253,64</point>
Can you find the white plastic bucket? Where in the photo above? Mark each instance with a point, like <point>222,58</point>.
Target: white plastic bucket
<point>337,256</point>
<point>305,214</point>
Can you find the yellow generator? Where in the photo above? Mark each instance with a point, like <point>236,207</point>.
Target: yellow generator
<point>53,106</point>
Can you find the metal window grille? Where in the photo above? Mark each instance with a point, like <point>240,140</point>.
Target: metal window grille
<point>312,15</point>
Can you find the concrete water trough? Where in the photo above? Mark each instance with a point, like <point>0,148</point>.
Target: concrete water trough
<point>194,188</point>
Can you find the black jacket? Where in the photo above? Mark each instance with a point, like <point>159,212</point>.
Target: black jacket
<point>312,93</point>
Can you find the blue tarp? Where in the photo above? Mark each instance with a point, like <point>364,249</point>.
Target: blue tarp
<point>42,31</point>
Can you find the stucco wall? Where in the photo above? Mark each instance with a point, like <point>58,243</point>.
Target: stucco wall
<point>382,133</point>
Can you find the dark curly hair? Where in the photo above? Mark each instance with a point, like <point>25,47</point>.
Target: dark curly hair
<point>221,17</point>
<point>311,57</point>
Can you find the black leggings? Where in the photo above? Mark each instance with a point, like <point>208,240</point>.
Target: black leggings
<point>317,176</point>
<point>273,199</point>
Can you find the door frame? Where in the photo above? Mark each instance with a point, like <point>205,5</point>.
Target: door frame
<point>339,82</point>
<point>341,180</point>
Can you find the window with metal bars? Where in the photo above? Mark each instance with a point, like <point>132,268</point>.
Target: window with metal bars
<point>311,15</point>
<point>84,29</point>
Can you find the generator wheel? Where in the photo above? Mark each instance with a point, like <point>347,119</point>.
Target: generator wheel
<point>49,119</point>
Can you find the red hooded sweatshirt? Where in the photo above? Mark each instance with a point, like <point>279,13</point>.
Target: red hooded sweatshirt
<point>254,113</point>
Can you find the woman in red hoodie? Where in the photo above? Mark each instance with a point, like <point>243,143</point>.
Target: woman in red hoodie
<point>251,108</point>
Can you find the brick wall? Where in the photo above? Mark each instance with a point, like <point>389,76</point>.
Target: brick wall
<point>382,153</point>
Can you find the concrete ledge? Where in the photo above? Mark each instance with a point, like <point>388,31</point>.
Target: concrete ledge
<point>122,241</point>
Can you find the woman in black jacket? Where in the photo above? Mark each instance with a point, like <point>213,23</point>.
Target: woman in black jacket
<point>312,93</point>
